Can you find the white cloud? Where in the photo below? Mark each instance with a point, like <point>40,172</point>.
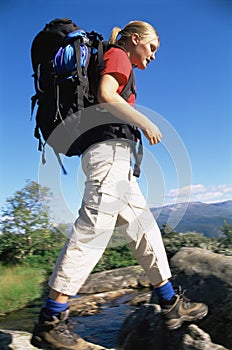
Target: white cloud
<point>199,192</point>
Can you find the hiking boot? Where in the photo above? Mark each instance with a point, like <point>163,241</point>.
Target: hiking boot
<point>52,332</point>
<point>180,309</point>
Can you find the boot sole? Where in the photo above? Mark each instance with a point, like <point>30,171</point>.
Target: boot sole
<point>41,344</point>
<point>177,323</point>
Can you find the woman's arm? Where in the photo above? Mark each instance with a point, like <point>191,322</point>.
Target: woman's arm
<point>115,104</point>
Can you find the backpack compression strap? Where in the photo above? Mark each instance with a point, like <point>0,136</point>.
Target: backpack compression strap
<point>81,78</point>
<point>129,88</point>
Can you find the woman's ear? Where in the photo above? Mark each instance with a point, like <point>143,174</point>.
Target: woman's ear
<point>135,38</point>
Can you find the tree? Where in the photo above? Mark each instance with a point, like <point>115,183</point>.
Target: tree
<point>166,228</point>
<point>27,232</point>
<point>224,242</point>
<point>227,233</point>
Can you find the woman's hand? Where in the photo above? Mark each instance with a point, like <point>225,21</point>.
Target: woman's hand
<point>153,135</point>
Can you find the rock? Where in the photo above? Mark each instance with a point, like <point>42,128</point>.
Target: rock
<point>142,298</point>
<point>197,339</point>
<point>144,330</point>
<point>125,277</point>
<point>14,340</point>
<point>88,305</point>
<point>203,262</point>
<point>207,277</point>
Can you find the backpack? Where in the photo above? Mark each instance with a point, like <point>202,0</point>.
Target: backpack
<point>67,61</point>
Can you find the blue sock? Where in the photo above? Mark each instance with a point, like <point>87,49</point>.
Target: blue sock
<point>165,292</point>
<point>54,308</point>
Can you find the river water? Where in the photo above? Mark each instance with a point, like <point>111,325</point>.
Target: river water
<point>101,328</point>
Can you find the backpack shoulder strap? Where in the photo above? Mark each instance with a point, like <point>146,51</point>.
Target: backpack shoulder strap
<point>129,88</point>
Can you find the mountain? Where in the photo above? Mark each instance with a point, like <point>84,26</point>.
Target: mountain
<point>195,216</point>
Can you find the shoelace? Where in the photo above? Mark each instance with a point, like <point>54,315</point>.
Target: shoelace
<point>183,297</point>
<point>66,328</point>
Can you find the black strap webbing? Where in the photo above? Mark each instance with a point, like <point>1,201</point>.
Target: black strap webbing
<point>129,88</point>
<point>137,148</point>
<point>78,56</point>
<point>100,55</point>
<point>79,87</point>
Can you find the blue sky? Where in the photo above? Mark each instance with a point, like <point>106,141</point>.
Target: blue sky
<point>188,88</point>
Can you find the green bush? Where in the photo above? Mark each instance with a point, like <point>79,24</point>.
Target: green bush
<point>174,241</point>
<point>116,257</point>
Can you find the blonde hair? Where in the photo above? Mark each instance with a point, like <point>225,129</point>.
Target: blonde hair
<point>139,27</point>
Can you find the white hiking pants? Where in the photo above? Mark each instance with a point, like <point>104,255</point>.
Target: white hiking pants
<point>111,195</point>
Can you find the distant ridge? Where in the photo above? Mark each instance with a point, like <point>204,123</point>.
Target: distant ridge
<point>195,216</point>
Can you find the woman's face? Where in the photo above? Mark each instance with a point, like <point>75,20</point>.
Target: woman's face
<point>144,50</point>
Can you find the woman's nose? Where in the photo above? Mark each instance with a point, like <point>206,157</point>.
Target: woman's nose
<point>153,56</point>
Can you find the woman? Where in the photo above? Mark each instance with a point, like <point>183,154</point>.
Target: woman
<point>113,195</point>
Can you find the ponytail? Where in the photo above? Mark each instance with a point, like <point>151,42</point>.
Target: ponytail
<point>114,34</point>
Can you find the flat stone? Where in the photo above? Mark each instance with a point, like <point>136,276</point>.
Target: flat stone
<point>15,340</point>
<point>88,305</point>
<point>126,277</point>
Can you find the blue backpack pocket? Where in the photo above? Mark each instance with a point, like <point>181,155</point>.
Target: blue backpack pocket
<point>65,59</point>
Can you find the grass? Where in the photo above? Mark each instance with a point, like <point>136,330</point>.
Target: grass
<point>19,285</point>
